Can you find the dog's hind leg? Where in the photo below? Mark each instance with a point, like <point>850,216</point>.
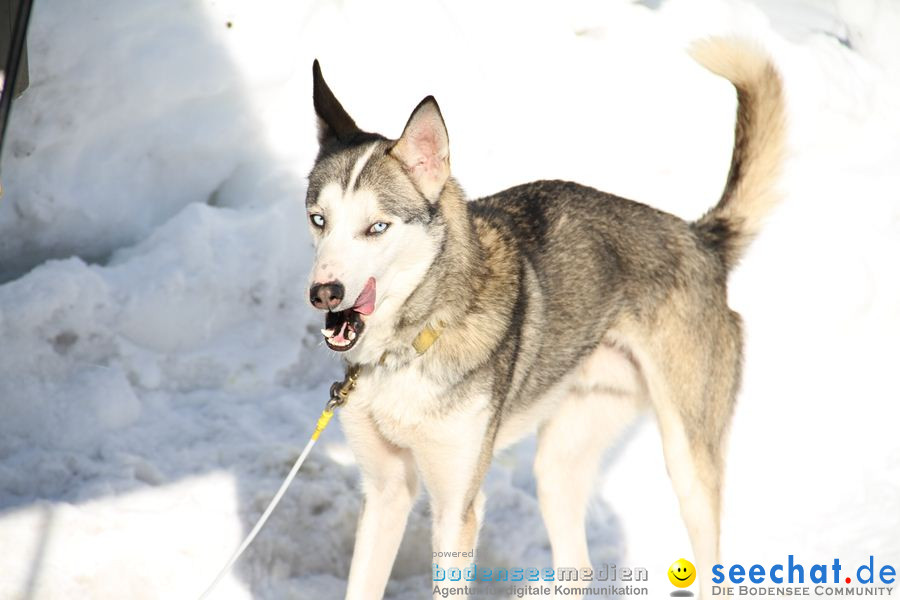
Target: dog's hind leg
<point>570,446</point>
<point>692,381</point>
<point>695,468</point>
<point>390,485</point>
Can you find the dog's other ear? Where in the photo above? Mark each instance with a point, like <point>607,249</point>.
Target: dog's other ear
<point>424,149</point>
<point>334,122</point>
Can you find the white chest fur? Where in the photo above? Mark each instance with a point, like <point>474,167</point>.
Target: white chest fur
<point>403,403</point>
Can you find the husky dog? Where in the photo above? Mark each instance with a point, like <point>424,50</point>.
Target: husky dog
<point>550,306</point>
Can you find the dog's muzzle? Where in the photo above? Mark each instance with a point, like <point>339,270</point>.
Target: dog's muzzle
<point>343,328</point>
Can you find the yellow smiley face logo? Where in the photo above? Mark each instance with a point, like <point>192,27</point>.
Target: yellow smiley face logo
<point>682,573</point>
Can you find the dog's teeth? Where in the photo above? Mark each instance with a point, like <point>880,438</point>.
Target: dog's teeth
<point>351,335</point>
<point>327,332</point>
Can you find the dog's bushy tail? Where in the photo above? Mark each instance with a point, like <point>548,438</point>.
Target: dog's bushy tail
<point>759,145</point>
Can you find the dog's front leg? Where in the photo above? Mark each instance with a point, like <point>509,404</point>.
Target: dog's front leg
<point>390,486</point>
<point>453,464</point>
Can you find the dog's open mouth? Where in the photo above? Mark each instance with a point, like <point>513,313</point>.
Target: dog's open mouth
<point>343,328</point>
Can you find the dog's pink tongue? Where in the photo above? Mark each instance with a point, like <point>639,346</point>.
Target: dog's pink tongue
<point>365,304</point>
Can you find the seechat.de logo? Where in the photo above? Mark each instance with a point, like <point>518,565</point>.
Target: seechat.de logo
<point>797,578</point>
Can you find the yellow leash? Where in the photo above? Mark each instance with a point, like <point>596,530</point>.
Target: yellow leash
<point>340,390</point>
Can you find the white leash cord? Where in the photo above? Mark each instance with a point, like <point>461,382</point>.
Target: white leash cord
<point>262,519</point>
<point>339,392</point>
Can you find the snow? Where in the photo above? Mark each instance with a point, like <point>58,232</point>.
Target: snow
<point>161,370</point>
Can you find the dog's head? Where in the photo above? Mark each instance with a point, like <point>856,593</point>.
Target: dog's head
<point>372,205</point>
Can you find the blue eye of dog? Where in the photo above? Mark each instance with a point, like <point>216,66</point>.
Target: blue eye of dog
<point>317,220</point>
<point>378,228</point>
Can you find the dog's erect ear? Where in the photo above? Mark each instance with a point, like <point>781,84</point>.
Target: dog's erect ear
<point>424,149</point>
<point>334,122</point>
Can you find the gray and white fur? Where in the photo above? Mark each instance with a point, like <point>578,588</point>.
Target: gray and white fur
<point>548,307</point>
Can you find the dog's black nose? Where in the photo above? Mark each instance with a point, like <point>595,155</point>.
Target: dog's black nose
<point>326,295</point>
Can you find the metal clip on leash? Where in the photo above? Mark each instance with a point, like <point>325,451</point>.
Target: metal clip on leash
<point>340,390</point>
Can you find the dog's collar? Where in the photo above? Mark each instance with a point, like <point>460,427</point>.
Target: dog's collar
<point>427,337</point>
<point>423,341</point>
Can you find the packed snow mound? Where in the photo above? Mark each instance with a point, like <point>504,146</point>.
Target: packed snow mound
<point>212,300</point>
<point>122,127</point>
